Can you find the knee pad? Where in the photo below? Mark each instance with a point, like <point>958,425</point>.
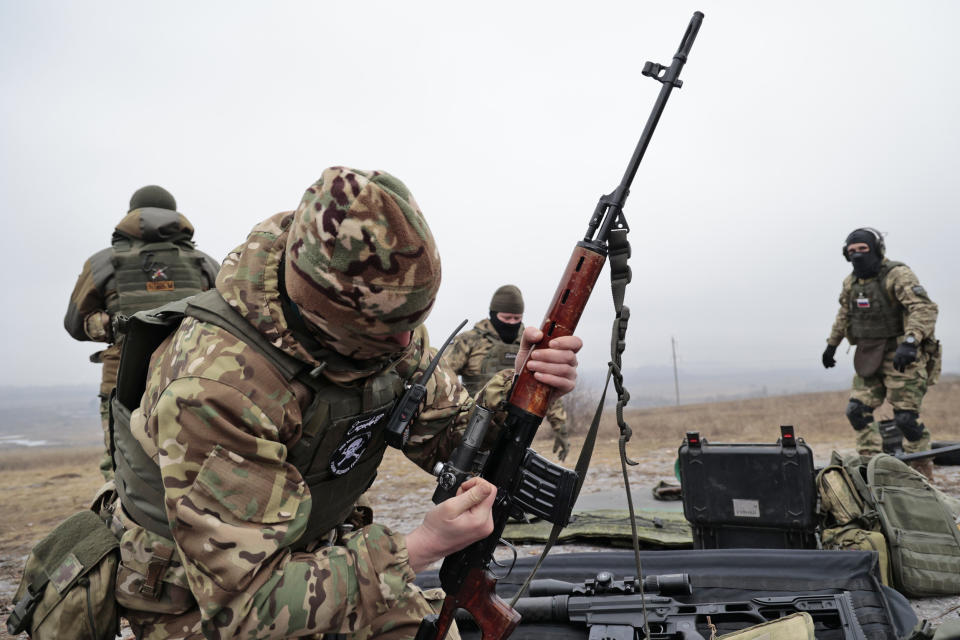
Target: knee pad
<point>859,415</point>
<point>908,423</point>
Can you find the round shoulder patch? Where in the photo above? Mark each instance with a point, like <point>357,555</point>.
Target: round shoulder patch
<point>355,441</point>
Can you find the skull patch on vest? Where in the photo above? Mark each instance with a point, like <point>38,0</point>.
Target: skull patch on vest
<point>355,442</point>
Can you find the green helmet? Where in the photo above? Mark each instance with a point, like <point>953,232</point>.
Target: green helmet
<point>361,263</point>
<point>507,299</point>
<point>152,196</point>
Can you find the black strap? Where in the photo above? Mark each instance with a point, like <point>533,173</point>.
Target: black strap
<point>620,276</point>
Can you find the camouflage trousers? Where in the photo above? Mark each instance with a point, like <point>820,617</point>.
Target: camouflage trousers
<point>110,358</point>
<point>398,622</point>
<point>903,390</point>
<point>106,463</point>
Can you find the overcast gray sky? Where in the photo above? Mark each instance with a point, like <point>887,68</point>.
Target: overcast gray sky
<point>797,122</point>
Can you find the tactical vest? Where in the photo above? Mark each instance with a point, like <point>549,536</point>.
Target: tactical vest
<point>502,355</point>
<point>872,313</point>
<point>152,274</point>
<point>342,440</point>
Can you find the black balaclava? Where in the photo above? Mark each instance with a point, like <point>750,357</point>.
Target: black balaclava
<point>507,332</point>
<point>865,265</point>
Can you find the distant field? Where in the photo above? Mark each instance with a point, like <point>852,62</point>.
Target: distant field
<point>38,417</point>
<point>817,417</point>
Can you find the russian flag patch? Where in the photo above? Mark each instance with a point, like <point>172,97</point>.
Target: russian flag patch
<point>863,303</point>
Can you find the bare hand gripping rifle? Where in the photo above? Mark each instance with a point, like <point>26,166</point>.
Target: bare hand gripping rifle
<point>525,481</point>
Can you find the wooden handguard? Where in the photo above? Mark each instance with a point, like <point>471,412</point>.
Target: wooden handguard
<point>478,596</point>
<point>568,304</point>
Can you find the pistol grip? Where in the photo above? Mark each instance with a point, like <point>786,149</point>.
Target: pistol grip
<point>477,595</point>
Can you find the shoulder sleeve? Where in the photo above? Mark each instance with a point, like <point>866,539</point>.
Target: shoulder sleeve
<point>458,353</point>
<point>920,312</point>
<point>85,299</point>
<point>440,426</point>
<point>842,321</point>
<point>235,505</point>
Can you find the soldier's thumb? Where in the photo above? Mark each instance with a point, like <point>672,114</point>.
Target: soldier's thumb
<point>469,499</point>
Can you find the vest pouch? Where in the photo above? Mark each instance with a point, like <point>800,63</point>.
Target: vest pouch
<point>838,495</point>
<point>68,585</point>
<point>851,538</point>
<point>502,355</point>
<point>151,576</point>
<point>868,357</point>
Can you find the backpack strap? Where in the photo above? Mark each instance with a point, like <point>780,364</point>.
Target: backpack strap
<point>210,306</point>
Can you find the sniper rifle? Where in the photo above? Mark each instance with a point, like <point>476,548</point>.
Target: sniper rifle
<point>525,481</point>
<point>612,610</point>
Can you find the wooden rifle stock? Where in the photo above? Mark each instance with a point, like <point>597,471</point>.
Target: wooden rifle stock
<point>464,575</point>
<point>569,301</point>
<point>478,595</point>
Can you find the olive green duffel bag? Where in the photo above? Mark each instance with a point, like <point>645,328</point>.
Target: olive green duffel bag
<point>797,626</point>
<point>69,583</point>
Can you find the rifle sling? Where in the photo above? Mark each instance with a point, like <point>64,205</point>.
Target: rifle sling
<point>620,276</point>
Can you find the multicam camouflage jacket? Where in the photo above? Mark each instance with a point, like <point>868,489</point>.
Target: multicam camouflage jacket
<point>95,295</point>
<point>219,421</point>
<point>476,355</point>
<point>904,291</point>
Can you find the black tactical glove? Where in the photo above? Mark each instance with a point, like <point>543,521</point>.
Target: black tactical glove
<point>828,359</point>
<point>561,444</point>
<point>906,353</point>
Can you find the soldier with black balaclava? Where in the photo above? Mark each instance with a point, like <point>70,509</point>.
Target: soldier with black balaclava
<point>492,345</point>
<point>888,316</point>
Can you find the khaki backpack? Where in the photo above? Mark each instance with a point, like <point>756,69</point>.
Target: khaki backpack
<point>68,584</point>
<point>853,538</point>
<point>916,520</point>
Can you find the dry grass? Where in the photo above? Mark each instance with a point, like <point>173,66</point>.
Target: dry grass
<point>817,417</point>
<point>40,487</point>
<point>23,459</point>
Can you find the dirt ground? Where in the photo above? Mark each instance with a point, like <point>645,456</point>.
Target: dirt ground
<point>41,487</point>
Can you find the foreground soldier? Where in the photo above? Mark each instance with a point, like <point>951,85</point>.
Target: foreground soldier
<point>492,345</point>
<point>888,315</point>
<point>152,261</point>
<point>260,536</point>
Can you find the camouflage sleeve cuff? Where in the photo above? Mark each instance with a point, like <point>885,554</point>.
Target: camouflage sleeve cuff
<point>388,562</point>
<point>496,390</point>
<point>97,326</point>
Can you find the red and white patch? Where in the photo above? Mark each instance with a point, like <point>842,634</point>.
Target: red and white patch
<point>863,303</point>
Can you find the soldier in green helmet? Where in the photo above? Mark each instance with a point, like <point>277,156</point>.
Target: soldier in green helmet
<point>262,424</point>
<point>886,313</point>
<point>492,345</point>
<point>151,261</point>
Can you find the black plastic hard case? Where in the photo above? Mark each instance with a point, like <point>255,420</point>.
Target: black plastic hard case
<point>749,495</point>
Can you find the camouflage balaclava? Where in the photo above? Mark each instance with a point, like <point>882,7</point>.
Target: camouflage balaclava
<point>152,196</point>
<point>361,264</point>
